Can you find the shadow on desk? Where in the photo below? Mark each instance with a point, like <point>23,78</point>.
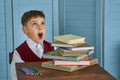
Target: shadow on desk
<point>94,72</point>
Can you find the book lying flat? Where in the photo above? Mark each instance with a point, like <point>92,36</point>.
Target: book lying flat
<point>88,61</point>
<point>56,55</point>
<point>66,52</point>
<point>60,44</point>
<point>81,48</point>
<point>51,65</point>
<point>70,39</point>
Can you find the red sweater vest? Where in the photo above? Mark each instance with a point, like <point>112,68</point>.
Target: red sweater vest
<point>27,54</point>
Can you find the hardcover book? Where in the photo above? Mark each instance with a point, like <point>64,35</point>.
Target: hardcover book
<point>60,44</point>
<point>87,61</point>
<point>56,55</point>
<point>51,65</point>
<point>66,52</point>
<point>81,48</point>
<point>70,39</point>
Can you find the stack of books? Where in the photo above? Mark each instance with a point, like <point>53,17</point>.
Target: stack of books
<point>72,53</point>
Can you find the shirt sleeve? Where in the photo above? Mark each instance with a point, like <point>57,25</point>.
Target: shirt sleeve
<point>15,59</point>
<point>55,48</point>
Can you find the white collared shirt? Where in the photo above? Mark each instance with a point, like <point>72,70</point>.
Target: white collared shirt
<point>17,59</point>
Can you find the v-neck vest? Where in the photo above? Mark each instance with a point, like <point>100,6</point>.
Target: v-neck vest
<point>28,55</point>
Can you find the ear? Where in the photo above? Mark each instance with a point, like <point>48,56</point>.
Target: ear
<point>24,28</point>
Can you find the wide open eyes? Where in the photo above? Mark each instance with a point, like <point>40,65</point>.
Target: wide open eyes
<point>35,24</point>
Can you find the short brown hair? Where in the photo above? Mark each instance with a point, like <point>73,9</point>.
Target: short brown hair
<point>31,14</point>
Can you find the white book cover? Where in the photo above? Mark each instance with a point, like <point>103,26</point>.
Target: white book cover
<point>60,44</point>
<point>81,48</point>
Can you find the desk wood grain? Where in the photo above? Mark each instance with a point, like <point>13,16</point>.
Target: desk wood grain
<point>94,72</point>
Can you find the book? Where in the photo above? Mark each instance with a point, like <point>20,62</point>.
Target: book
<point>81,48</point>
<point>66,52</point>
<point>56,55</point>
<point>60,44</point>
<point>70,39</point>
<point>51,65</point>
<point>87,61</point>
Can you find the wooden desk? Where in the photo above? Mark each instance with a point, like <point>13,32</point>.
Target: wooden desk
<point>94,72</point>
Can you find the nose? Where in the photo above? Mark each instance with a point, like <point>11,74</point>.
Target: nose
<point>39,26</point>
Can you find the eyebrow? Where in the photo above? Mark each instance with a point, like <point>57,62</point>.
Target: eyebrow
<point>36,21</point>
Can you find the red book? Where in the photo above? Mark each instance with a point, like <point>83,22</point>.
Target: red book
<point>90,61</point>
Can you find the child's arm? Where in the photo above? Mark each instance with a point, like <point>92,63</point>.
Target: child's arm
<point>15,58</point>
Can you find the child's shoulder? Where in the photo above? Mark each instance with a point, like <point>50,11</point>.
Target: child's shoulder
<point>46,42</point>
<point>22,44</point>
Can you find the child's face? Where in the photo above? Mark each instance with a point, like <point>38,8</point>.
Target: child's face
<point>35,29</point>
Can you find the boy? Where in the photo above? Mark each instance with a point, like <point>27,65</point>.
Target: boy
<point>33,23</point>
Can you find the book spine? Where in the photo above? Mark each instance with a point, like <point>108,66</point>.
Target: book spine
<point>62,58</point>
<point>78,53</point>
<point>63,68</point>
<point>56,67</point>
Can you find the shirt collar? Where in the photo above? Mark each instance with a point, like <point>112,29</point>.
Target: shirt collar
<point>32,44</point>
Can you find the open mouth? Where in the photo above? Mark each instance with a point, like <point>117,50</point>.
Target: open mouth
<point>40,35</point>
